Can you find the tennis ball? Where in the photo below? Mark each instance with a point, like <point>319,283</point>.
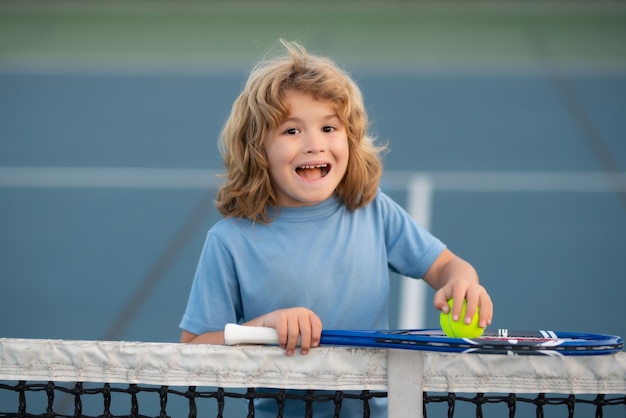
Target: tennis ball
<point>459,329</point>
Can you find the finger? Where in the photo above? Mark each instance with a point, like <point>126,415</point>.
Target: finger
<point>305,334</point>
<point>458,296</point>
<point>441,300</point>
<point>471,306</point>
<point>316,330</point>
<point>282,328</point>
<point>293,333</point>
<point>486,311</point>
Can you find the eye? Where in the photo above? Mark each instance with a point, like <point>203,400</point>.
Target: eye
<point>329,129</point>
<point>291,131</point>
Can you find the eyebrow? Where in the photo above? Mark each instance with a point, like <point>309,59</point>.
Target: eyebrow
<point>324,118</point>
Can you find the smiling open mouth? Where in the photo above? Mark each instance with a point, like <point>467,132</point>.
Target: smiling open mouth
<point>313,172</point>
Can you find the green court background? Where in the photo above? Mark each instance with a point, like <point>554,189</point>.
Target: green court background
<point>391,35</point>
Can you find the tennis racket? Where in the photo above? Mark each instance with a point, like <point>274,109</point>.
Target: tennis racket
<point>500,341</point>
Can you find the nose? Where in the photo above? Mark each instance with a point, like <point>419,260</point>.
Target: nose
<point>314,143</point>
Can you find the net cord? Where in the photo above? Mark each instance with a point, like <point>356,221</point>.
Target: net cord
<point>329,368</point>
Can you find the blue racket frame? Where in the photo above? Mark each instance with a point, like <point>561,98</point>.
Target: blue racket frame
<point>498,342</point>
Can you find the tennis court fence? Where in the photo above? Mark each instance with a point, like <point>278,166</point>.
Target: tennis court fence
<point>56,378</point>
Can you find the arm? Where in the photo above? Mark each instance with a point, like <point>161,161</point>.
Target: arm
<point>454,278</point>
<point>291,325</point>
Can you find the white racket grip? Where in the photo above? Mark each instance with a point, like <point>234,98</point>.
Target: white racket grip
<point>240,334</point>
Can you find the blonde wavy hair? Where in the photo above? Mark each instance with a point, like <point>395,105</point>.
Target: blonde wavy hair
<point>248,191</point>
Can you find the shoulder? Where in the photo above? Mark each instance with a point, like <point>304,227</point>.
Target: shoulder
<point>229,230</point>
<point>383,203</point>
<point>382,198</point>
<point>230,224</point>
<point>388,212</point>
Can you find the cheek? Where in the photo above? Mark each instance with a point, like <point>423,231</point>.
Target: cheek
<point>278,157</point>
<point>344,151</point>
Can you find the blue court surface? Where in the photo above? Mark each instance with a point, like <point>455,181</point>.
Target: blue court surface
<point>106,171</point>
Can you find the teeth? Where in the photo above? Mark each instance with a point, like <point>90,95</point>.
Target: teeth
<point>305,167</point>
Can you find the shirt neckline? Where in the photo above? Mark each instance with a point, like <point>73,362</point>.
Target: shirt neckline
<point>305,213</point>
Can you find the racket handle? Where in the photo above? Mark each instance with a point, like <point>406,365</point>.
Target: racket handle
<point>240,334</point>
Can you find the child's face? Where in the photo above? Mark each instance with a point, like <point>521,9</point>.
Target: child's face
<point>308,152</point>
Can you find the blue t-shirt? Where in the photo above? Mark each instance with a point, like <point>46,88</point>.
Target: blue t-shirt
<point>323,257</point>
<point>326,258</point>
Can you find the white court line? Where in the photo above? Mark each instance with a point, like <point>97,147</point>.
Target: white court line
<point>108,177</point>
<point>190,178</point>
<point>192,65</point>
<point>420,187</point>
<point>513,181</point>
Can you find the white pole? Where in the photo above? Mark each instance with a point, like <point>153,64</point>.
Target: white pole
<point>413,303</point>
<point>405,383</point>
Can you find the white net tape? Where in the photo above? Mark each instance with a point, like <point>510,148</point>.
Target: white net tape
<point>332,368</point>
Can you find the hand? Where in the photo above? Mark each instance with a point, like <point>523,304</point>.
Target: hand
<point>294,326</point>
<point>475,295</point>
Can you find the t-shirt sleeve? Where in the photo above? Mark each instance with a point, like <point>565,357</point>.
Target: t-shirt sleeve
<point>411,248</point>
<point>214,299</point>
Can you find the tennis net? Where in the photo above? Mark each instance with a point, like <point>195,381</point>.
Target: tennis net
<point>54,378</point>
